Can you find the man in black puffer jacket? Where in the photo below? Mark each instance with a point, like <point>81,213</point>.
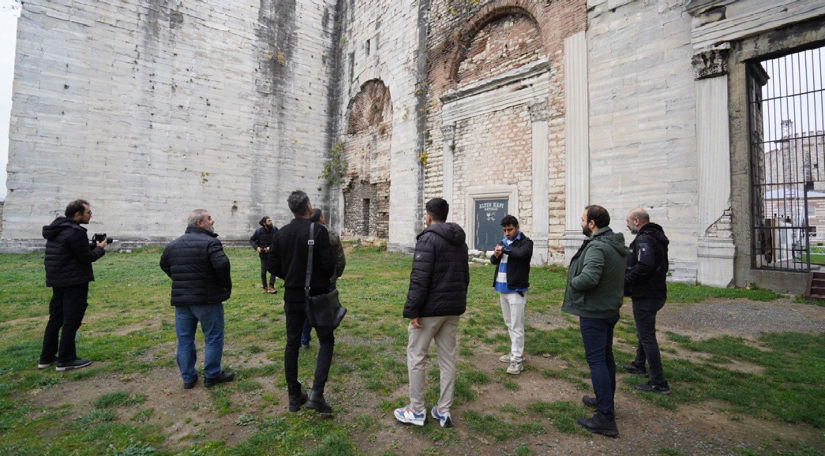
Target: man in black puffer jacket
<point>436,298</point>
<point>646,283</point>
<point>201,282</point>
<point>68,261</point>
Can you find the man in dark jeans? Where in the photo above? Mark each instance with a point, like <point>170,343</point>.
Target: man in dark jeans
<point>595,285</point>
<point>68,262</point>
<point>288,260</point>
<point>201,282</point>
<point>261,241</point>
<point>646,284</point>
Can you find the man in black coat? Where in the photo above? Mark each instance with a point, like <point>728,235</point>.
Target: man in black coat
<point>68,262</point>
<point>288,260</point>
<point>436,298</point>
<point>260,241</point>
<point>201,282</point>
<point>646,284</point>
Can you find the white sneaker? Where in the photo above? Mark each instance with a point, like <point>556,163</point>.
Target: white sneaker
<point>505,358</point>
<point>409,416</point>
<point>444,419</point>
<point>515,368</point>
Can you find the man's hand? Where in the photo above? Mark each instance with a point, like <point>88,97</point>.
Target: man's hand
<point>259,249</point>
<point>416,323</point>
<point>497,251</point>
<point>102,244</point>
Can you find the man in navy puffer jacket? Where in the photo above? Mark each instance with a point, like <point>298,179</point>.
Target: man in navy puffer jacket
<point>68,261</point>
<point>201,282</point>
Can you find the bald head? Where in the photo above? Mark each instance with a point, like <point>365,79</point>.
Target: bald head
<point>636,219</point>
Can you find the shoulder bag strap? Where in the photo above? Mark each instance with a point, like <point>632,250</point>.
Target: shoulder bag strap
<point>310,243</point>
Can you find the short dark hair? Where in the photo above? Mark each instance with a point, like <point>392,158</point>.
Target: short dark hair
<point>509,220</point>
<point>438,208</point>
<point>298,202</point>
<point>263,220</point>
<point>599,215</point>
<point>316,215</point>
<point>76,206</point>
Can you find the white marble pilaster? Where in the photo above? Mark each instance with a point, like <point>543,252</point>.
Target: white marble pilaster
<point>716,249</point>
<point>448,134</point>
<point>577,142</point>
<point>541,202</point>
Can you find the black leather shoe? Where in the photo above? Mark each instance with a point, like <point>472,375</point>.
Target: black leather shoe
<point>664,388</point>
<point>589,401</point>
<point>297,399</point>
<point>190,385</point>
<point>633,369</point>
<point>318,403</point>
<point>600,424</point>
<point>225,377</point>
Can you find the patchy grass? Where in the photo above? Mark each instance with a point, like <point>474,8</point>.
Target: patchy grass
<point>129,332</point>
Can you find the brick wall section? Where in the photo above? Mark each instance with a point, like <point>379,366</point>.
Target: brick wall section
<point>129,103</point>
<point>456,27</point>
<point>505,44</point>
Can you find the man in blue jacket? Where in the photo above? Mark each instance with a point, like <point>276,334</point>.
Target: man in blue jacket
<point>512,259</point>
<point>68,262</point>
<point>436,299</point>
<point>201,282</point>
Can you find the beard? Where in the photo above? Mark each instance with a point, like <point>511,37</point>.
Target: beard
<point>586,231</point>
<point>209,228</point>
<point>633,230</point>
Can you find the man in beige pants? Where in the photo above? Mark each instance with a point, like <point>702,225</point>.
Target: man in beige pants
<point>436,298</point>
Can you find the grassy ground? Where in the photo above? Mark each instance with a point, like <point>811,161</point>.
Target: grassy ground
<point>129,332</point>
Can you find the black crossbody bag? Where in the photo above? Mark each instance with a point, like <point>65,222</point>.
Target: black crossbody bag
<point>323,311</point>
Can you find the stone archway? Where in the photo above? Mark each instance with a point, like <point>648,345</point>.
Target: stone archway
<point>367,157</point>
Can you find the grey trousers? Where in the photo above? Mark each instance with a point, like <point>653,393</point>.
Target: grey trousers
<point>443,331</point>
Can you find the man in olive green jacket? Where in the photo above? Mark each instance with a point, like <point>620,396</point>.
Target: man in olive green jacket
<point>595,289</point>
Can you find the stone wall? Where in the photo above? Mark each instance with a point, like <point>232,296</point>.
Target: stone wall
<point>150,109</point>
<point>381,44</point>
<point>643,119</point>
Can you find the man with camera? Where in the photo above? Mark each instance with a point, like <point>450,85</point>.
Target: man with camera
<point>68,261</point>
<point>288,260</point>
<point>201,282</point>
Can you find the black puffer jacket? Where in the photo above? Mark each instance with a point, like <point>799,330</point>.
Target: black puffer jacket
<point>647,264</point>
<point>69,255</point>
<point>198,267</point>
<point>440,273</point>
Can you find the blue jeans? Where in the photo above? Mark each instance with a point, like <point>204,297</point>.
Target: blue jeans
<point>186,323</point>
<point>597,336</point>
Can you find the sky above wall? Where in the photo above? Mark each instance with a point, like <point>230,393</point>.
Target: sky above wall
<point>9,12</point>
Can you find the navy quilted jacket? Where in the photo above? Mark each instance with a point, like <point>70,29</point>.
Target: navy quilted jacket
<point>440,273</point>
<point>198,267</point>
<point>69,255</point>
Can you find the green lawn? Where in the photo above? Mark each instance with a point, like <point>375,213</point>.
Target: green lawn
<point>129,333</point>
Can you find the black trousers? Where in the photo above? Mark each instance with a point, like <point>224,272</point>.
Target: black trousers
<point>647,350</point>
<point>263,274</point>
<point>66,310</point>
<point>295,318</point>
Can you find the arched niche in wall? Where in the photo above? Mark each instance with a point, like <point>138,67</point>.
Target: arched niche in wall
<point>367,146</point>
<point>494,125</point>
